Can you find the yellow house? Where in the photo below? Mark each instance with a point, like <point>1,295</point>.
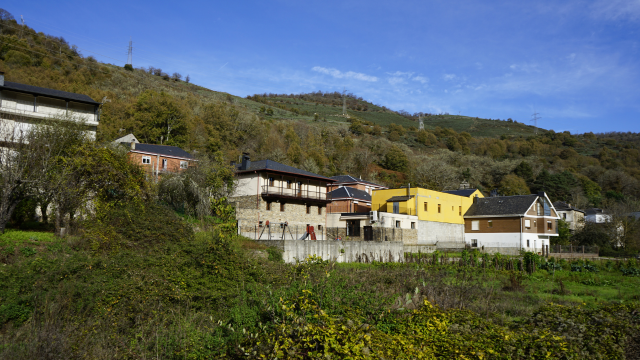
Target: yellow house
<point>427,205</point>
<point>439,214</point>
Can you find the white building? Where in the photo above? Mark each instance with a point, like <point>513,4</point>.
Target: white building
<point>22,106</point>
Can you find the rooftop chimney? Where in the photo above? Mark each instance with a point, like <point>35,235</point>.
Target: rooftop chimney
<point>541,194</point>
<point>1,78</point>
<point>246,162</point>
<point>133,144</point>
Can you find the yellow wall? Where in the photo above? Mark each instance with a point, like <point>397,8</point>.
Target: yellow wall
<point>432,198</point>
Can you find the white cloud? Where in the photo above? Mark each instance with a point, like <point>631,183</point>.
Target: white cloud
<point>525,67</point>
<point>396,80</point>
<point>421,79</point>
<point>616,9</point>
<point>344,75</point>
<point>449,77</point>
<point>401,74</point>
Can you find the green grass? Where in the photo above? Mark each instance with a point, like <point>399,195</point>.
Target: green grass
<point>13,237</point>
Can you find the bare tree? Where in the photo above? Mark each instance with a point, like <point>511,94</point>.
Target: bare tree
<point>187,79</point>
<point>176,76</point>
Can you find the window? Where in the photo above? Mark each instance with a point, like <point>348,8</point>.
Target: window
<point>259,223</point>
<point>549,225</point>
<point>425,207</point>
<point>308,209</point>
<point>270,181</point>
<point>319,227</point>
<point>397,223</point>
<point>527,243</point>
<point>164,163</point>
<point>146,160</point>
<point>460,210</point>
<point>475,225</point>
<point>474,243</point>
<point>490,223</point>
<point>282,207</point>
<point>438,208</point>
<point>413,225</point>
<point>268,206</point>
<point>527,224</point>
<point>534,224</point>
<point>319,210</point>
<point>289,184</point>
<point>451,208</point>
<point>564,216</point>
<point>184,164</point>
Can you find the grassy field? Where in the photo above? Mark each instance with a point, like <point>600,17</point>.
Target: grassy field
<point>211,296</point>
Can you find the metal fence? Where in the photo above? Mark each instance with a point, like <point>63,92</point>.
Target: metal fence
<point>347,233</point>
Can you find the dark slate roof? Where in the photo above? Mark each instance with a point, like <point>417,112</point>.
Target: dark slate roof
<point>501,205</point>
<point>163,150</point>
<point>352,179</point>
<point>400,198</point>
<point>35,90</point>
<point>270,165</point>
<point>349,192</point>
<point>461,192</point>
<point>563,206</point>
<point>594,211</point>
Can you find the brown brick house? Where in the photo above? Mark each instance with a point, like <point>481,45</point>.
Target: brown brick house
<point>354,182</point>
<point>159,159</point>
<point>526,222</point>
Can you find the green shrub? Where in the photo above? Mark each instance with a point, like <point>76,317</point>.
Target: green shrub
<point>275,254</point>
<point>135,226</point>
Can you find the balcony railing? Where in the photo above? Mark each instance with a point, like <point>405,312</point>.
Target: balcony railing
<point>278,191</point>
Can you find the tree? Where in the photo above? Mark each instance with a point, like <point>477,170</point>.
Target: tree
<point>176,76</point>
<point>524,171</point>
<point>396,159</point>
<point>187,79</point>
<point>564,234</point>
<point>159,118</point>
<point>513,185</point>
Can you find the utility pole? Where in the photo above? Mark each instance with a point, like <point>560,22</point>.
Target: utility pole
<point>421,122</point>
<point>344,101</point>
<point>535,121</point>
<point>130,55</point>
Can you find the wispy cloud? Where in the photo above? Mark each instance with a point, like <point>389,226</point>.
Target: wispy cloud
<point>395,80</point>
<point>421,79</point>
<point>616,9</point>
<point>449,77</point>
<point>344,75</point>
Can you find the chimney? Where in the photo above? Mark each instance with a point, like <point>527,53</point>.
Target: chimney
<point>133,144</point>
<point>409,189</point>
<point>475,199</point>
<point>541,194</point>
<point>1,78</point>
<point>246,162</point>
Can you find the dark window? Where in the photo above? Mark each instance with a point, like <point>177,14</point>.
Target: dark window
<point>308,209</point>
<point>490,223</point>
<point>319,227</point>
<point>439,208</point>
<point>319,210</point>
<point>413,225</point>
<point>549,225</point>
<point>281,206</point>
<point>474,242</point>
<point>459,210</point>
<point>270,181</point>
<point>289,184</point>
<point>397,223</point>
<point>425,206</point>
<point>527,243</point>
<point>268,206</point>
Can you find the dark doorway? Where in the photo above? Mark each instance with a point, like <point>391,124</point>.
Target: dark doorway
<point>353,227</point>
<point>368,233</point>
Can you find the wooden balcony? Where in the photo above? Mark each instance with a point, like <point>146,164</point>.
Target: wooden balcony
<point>277,192</point>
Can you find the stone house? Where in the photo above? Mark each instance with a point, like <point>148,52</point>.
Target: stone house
<point>574,217</point>
<point>285,196</point>
<point>22,106</point>
<point>508,224</point>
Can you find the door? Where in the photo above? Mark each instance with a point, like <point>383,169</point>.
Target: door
<point>368,233</point>
<point>396,208</point>
<point>299,189</point>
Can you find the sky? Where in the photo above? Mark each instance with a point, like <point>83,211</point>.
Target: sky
<point>575,63</point>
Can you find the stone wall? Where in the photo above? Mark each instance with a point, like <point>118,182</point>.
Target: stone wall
<point>339,251</point>
<point>431,232</point>
<point>252,209</point>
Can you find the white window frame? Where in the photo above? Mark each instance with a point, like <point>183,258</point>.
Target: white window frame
<point>184,164</point>
<point>165,163</point>
<point>475,225</point>
<point>146,159</point>
<point>527,224</point>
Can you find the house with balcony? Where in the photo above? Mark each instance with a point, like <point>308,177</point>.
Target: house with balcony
<point>156,160</point>
<point>22,106</point>
<point>283,195</point>
<point>436,215</point>
<point>508,224</point>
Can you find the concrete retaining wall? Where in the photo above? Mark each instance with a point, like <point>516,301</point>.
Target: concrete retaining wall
<point>339,251</point>
<point>430,232</point>
<point>425,249</point>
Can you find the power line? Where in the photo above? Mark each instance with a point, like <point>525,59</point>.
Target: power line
<point>535,120</point>
<point>130,55</point>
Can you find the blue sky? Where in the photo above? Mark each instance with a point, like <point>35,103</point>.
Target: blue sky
<point>576,63</point>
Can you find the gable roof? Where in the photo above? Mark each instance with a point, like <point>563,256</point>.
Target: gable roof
<point>58,94</point>
<point>461,192</point>
<point>348,179</point>
<point>563,206</point>
<point>127,139</point>
<point>274,166</point>
<point>350,193</point>
<point>516,205</point>
<point>400,198</point>
<point>163,150</point>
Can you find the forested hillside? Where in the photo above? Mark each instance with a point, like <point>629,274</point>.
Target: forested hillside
<point>309,130</point>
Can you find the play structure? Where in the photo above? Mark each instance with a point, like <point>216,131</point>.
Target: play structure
<point>310,233</point>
